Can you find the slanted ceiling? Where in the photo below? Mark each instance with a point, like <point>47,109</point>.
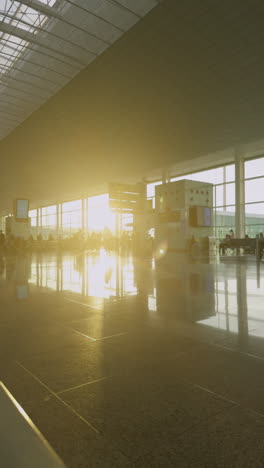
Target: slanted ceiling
<point>185,81</point>
<point>45,43</point>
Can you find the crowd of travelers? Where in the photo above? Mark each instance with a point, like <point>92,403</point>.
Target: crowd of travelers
<point>79,241</point>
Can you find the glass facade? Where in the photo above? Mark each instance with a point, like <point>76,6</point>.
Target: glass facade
<point>48,221</point>
<point>71,217</point>
<point>223,179</point>
<point>99,216</point>
<point>94,215</point>
<point>254,196</point>
<point>33,214</point>
<point>151,191</point>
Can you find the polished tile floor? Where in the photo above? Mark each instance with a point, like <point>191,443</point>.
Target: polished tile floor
<point>131,363</point>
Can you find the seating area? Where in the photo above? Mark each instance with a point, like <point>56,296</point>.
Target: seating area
<point>244,246</point>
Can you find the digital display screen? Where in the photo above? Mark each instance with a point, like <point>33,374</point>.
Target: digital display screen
<point>200,216</point>
<point>22,207</point>
<point>207,216</point>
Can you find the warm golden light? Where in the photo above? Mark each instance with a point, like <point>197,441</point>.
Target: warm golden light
<point>99,215</point>
<point>102,275</point>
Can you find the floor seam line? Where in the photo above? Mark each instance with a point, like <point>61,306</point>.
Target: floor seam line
<point>82,304</point>
<point>207,390</point>
<point>83,385</point>
<point>218,345</point>
<point>111,336</point>
<point>231,402</point>
<point>75,331</point>
<point>58,398</point>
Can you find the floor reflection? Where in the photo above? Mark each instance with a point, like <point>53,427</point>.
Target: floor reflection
<point>239,299</point>
<point>102,275</point>
<point>225,298</point>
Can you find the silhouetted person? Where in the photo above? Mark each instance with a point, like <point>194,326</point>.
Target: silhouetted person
<point>261,238</point>
<point>247,250</point>
<point>2,240</point>
<point>224,245</point>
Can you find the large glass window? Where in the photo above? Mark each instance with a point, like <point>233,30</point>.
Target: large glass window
<point>219,195</point>
<point>223,179</point>
<point>99,215</point>
<point>33,216</point>
<point>230,173</point>
<point>151,191</point>
<point>230,194</point>
<point>254,190</point>
<point>254,168</point>
<point>71,216</point>
<point>48,221</point>
<point>254,196</point>
<point>212,176</point>
<point>49,216</point>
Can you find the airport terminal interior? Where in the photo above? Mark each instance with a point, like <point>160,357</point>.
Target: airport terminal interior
<point>131,234</point>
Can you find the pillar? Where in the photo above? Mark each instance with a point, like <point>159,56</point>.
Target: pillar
<point>38,220</point>
<point>224,194</point>
<point>58,220</point>
<point>240,196</point>
<point>83,214</point>
<point>165,176</point>
<point>242,308</point>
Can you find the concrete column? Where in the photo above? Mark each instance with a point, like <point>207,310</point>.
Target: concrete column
<point>240,196</point>
<point>165,176</point>
<point>83,215</point>
<point>242,309</point>
<point>86,215</point>
<point>58,219</point>
<point>38,219</point>
<point>224,194</point>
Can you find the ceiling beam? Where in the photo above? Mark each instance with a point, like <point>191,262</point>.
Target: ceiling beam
<point>27,48</point>
<point>15,97</point>
<point>123,7</point>
<point>8,28</point>
<point>8,77</point>
<point>42,8</point>
<point>7,85</point>
<point>90,12</point>
<point>10,68</point>
<point>50,33</point>
<point>53,13</point>
<point>10,57</point>
<point>11,111</point>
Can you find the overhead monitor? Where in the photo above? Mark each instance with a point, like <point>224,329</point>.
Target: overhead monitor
<point>200,216</point>
<point>21,210</point>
